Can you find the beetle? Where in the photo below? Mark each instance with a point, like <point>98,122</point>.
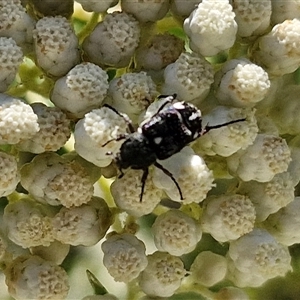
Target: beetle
<point>171,128</point>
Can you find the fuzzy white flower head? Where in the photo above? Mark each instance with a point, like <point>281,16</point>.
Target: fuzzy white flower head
<point>211,27</point>
<point>52,179</point>
<point>269,197</point>
<point>113,41</point>
<point>146,10</point>
<point>28,223</point>
<point>176,233</point>
<point>54,130</point>
<point>31,277</point>
<point>252,16</point>
<point>16,23</point>
<point>229,139</point>
<point>96,129</point>
<point>132,93</point>
<point>231,293</point>
<point>241,83</point>
<point>261,161</point>
<point>284,10</point>
<point>278,52</point>
<point>81,90</point>
<point>56,45</point>
<point>228,217</point>
<point>126,192</point>
<point>162,276</point>
<point>191,173</point>
<point>124,256</point>
<point>255,258</point>
<point>11,57</point>
<point>17,120</point>
<point>284,224</point>
<point>160,51</point>
<point>96,5</point>
<point>10,176</point>
<point>190,77</point>
<point>84,225</point>
<point>208,268</point>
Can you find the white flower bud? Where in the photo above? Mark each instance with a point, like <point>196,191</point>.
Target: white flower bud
<point>284,10</point>
<point>176,233</point>
<point>228,217</point>
<point>11,57</point>
<point>56,252</point>
<point>31,277</point>
<point>190,172</point>
<point>113,41</point>
<point>97,128</point>
<point>241,83</point>
<point>190,77</point>
<point>126,192</point>
<point>208,268</point>
<point>84,225</point>
<point>211,27</point>
<point>16,23</point>
<point>160,51</point>
<point>252,16</point>
<point>54,130</point>
<point>229,139</point>
<point>96,5</point>
<point>28,223</point>
<point>278,52</point>
<point>10,176</point>
<point>132,93</point>
<point>124,256</point>
<point>255,258</point>
<point>261,161</point>
<point>269,197</point>
<point>81,90</point>
<point>52,179</point>
<point>162,276</point>
<point>17,120</point>
<point>284,224</point>
<point>231,293</point>
<point>146,10</point>
<point>56,45</point>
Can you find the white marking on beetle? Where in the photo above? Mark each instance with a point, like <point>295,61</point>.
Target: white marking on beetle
<point>178,105</point>
<point>157,140</point>
<point>194,116</point>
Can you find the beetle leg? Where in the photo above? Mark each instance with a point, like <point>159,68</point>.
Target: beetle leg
<point>143,180</point>
<point>168,173</point>
<point>119,138</point>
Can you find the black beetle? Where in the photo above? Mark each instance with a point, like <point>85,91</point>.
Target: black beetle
<point>172,127</point>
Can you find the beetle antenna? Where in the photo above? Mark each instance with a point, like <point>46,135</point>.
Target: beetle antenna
<point>125,118</point>
<point>207,128</point>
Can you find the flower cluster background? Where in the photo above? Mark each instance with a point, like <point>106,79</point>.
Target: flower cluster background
<point>76,77</point>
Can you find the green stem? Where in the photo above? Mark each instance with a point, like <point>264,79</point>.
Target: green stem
<point>88,28</point>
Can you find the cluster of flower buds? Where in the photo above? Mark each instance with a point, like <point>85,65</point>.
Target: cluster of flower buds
<point>214,220</point>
